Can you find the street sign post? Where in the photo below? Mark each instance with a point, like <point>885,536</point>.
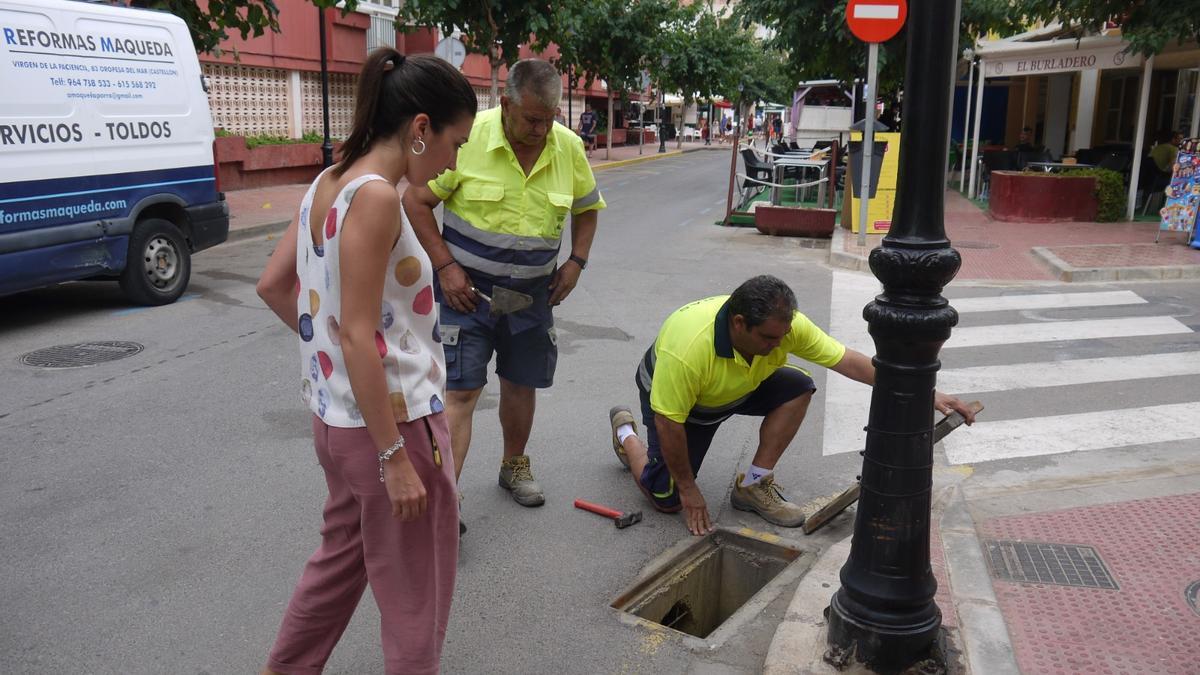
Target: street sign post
<point>872,21</point>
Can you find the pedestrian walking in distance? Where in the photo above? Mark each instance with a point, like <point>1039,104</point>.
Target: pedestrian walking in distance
<point>373,374</point>
<point>518,177</point>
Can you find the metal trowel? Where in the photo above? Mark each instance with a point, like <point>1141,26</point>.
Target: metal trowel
<point>504,300</point>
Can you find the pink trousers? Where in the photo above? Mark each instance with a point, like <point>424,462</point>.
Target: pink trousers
<point>409,566</point>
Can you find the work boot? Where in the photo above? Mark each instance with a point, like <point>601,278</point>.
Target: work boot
<point>765,499</point>
<point>516,477</point>
<point>618,417</point>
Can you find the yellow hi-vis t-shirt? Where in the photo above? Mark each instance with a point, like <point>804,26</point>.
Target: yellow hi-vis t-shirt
<point>490,191</point>
<point>696,366</point>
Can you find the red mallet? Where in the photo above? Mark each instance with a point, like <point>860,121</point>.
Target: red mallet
<point>621,520</point>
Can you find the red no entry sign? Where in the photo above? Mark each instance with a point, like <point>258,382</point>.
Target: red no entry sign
<point>876,20</point>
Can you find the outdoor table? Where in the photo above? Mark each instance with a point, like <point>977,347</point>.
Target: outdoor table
<point>1056,166</point>
<point>781,163</point>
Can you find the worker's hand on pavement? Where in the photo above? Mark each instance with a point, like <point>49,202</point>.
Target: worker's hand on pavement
<point>564,282</point>
<point>945,404</point>
<point>695,511</point>
<point>456,289</point>
<point>404,488</point>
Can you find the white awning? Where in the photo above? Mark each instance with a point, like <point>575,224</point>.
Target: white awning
<point>1004,58</point>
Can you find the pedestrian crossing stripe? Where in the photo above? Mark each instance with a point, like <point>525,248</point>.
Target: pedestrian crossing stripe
<point>1026,301</point>
<point>1053,331</point>
<point>1041,374</point>
<point>847,402</point>
<point>1031,436</point>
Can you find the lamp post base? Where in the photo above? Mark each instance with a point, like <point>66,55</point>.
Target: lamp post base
<point>892,647</point>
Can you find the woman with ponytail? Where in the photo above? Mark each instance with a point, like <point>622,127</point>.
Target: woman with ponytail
<point>351,279</point>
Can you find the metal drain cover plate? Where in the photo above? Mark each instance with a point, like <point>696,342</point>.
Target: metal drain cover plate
<point>80,354</point>
<point>1038,563</point>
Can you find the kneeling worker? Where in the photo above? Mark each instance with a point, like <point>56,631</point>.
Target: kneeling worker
<point>725,356</point>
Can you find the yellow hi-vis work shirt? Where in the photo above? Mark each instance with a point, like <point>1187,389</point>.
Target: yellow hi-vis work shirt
<point>693,369</point>
<point>489,190</point>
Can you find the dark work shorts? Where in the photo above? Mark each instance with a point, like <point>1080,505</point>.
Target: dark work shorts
<point>786,384</point>
<point>527,358</point>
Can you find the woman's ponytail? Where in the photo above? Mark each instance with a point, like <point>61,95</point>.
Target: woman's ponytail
<point>392,89</point>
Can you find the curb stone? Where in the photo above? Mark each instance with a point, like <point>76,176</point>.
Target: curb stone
<point>1066,272</point>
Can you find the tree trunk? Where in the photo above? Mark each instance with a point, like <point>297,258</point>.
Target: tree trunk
<point>495,83</point>
<point>679,130</point>
<point>611,127</point>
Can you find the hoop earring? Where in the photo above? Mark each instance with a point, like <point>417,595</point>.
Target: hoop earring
<point>421,150</point>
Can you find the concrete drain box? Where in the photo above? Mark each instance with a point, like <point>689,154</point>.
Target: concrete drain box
<point>704,582</point>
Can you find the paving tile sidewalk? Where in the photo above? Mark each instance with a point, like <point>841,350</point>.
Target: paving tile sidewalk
<point>268,210</point>
<point>1110,588</point>
<point>995,250</point>
<point>1057,612</point>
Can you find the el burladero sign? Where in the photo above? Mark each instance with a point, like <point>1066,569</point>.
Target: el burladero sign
<point>1062,62</point>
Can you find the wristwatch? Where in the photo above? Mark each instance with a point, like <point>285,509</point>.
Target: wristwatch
<point>387,454</point>
<point>582,262</point>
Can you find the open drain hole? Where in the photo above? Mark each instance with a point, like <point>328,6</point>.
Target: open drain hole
<point>700,588</point>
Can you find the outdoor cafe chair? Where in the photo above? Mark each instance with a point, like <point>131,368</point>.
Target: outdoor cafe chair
<point>758,174</point>
<point>1115,161</point>
<point>996,160</point>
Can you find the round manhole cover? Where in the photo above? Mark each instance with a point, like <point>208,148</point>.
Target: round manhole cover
<point>81,354</point>
<point>974,244</point>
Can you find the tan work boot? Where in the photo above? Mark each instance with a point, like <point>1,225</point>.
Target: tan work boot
<point>517,478</point>
<point>765,499</point>
<point>618,417</point>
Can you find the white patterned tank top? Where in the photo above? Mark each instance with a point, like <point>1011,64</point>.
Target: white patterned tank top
<point>407,336</point>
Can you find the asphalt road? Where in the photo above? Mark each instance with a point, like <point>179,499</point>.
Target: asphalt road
<point>156,510</point>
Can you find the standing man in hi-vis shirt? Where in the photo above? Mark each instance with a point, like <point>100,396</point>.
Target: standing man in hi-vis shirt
<point>517,178</point>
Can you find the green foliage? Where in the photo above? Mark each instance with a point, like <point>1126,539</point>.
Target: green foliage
<point>817,44</point>
<point>613,40</point>
<point>710,56</point>
<point>268,139</point>
<point>765,76</point>
<point>210,22</point>
<point>1148,25</point>
<point>494,28</point>
<point>1110,193</point>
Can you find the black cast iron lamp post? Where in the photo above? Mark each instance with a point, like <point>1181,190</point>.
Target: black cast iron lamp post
<point>884,615</point>
<point>662,106</point>
<point>327,144</point>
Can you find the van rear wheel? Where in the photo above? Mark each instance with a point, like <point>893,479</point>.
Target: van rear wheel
<point>159,263</point>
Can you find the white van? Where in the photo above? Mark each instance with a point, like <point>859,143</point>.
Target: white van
<point>106,149</point>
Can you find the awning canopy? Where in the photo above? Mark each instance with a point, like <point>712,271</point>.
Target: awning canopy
<point>1006,58</point>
